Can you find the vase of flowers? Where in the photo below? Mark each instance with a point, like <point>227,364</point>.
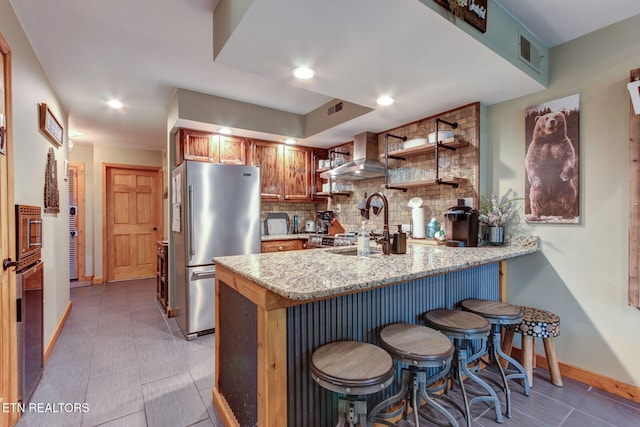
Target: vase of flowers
<point>494,213</point>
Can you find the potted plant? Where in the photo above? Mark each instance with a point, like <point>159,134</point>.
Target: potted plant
<point>495,212</point>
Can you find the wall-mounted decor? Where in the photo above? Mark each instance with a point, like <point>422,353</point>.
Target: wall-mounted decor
<point>51,193</point>
<point>50,126</point>
<point>552,141</point>
<point>473,12</point>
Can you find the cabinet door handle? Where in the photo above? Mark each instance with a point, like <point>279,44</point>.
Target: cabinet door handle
<point>280,248</point>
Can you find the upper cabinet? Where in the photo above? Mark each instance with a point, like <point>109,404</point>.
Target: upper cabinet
<point>208,147</point>
<point>232,150</point>
<point>285,171</point>
<point>297,173</point>
<point>268,156</point>
<point>196,145</point>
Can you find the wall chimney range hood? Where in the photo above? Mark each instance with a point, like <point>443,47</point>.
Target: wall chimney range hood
<point>365,163</point>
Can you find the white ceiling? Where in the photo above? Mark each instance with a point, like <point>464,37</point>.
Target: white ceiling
<point>141,51</point>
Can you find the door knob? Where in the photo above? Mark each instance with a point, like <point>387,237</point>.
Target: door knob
<point>7,262</point>
<point>155,228</point>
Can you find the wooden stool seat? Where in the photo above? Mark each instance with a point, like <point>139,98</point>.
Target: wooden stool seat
<point>352,367</point>
<point>536,323</point>
<point>494,311</point>
<point>420,348</point>
<point>458,324</point>
<point>415,344</point>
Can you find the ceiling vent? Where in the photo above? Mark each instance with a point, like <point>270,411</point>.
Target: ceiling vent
<point>334,108</point>
<point>529,53</point>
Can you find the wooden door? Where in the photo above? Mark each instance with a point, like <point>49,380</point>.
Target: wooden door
<point>8,355</point>
<point>297,171</point>
<point>133,222</point>
<point>268,156</point>
<point>232,150</point>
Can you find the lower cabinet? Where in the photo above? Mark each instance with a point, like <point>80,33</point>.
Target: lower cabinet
<point>162,273</point>
<point>284,245</point>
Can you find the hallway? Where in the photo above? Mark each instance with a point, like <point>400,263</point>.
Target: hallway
<point>130,364</point>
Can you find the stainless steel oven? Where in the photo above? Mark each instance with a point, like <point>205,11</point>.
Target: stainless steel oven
<point>29,328</point>
<point>323,240</point>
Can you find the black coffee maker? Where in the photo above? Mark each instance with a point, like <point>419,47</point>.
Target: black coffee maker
<point>461,226</point>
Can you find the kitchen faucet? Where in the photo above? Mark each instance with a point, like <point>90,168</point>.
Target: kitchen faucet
<point>385,241</point>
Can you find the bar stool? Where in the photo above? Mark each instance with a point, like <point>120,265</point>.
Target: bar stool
<point>498,314</point>
<point>463,327</point>
<point>541,324</point>
<point>419,348</point>
<point>354,369</point>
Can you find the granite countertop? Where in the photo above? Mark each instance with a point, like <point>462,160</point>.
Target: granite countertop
<point>317,273</point>
<point>300,236</point>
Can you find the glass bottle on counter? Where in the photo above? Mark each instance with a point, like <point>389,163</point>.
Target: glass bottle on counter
<point>363,240</point>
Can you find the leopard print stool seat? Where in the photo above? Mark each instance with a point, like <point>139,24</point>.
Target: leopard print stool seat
<point>536,323</point>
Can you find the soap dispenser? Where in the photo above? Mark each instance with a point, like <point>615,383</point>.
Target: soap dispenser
<point>399,242</point>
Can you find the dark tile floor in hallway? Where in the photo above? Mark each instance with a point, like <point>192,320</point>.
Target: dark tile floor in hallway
<point>130,364</point>
<point>132,367</point>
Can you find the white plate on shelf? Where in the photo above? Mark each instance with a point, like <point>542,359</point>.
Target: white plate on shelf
<point>416,142</point>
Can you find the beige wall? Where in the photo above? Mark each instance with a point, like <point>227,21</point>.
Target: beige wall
<point>30,87</point>
<point>581,273</point>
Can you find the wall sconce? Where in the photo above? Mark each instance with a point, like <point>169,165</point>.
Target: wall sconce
<point>3,133</point>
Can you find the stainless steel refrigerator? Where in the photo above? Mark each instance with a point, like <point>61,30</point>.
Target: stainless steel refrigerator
<point>215,212</point>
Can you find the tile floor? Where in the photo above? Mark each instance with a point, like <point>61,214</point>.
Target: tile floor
<point>131,365</point>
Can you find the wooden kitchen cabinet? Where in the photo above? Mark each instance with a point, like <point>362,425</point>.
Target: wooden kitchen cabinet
<point>268,156</point>
<point>209,147</point>
<point>283,245</point>
<point>297,173</point>
<point>162,273</point>
<point>232,150</point>
<point>285,171</point>
<point>196,145</point>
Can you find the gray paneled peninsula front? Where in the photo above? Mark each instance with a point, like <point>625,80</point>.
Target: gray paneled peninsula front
<point>274,309</point>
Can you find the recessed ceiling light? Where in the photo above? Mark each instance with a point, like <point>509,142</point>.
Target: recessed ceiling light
<point>225,131</point>
<point>114,103</point>
<point>303,73</point>
<point>289,141</point>
<point>385,100</point>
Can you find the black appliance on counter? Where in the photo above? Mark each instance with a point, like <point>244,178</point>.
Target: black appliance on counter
<point>29,299</point>
<point>324,221</point>
<point>461,226</point>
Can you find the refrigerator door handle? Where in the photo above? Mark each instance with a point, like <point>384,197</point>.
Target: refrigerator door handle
<point>199,275</point>
<point>192,251</point>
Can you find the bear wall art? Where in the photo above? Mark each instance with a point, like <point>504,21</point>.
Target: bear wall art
<point>552,169</point>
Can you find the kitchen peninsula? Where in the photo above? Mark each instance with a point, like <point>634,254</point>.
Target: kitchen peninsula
<point>274,309</point>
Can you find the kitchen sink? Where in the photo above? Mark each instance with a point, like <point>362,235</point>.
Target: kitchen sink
<point>354,252</point>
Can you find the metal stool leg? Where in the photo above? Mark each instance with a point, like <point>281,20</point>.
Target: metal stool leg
<point>520,372</point>
<point>375,414</point>
<point>430,401</point>
<point>491,395</point>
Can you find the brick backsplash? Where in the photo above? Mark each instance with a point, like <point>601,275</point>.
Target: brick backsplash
<point>437,199</point>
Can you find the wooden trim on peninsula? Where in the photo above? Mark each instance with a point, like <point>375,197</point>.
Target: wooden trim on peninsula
<point>56,333</point>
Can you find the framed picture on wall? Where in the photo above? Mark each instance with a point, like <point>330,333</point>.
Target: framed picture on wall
<point>50,126</point>
<point>552,167</point>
